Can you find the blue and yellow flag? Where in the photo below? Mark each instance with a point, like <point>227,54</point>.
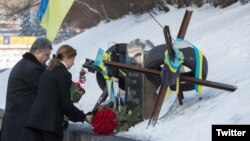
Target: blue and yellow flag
<point>52,13</point>
<point>102,55</point>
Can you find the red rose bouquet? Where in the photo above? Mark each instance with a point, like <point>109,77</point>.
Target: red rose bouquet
<point>76,89</point>
<point>104,121</point>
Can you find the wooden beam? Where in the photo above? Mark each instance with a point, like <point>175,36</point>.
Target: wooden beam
<point>187,79</point>
<point>184,24</point>
<point>168,41</point>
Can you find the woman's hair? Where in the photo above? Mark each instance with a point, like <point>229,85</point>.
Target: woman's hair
<point>65,51</point>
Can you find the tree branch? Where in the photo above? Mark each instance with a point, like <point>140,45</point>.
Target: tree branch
<point>9,10</point>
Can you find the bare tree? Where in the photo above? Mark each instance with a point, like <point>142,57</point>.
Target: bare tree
<point>244,1</point>
<point>11,7</point>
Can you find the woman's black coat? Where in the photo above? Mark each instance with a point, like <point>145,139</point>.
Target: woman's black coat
<point>21,93</point>
<point>53,101</point>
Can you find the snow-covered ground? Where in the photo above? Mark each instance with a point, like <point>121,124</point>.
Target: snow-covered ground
<point>222,35</point>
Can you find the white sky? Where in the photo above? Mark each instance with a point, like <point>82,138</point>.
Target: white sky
<point>224,37</point>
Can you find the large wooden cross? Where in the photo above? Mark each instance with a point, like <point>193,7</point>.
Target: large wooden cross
<point>163,89</point>
<point>160,98</point>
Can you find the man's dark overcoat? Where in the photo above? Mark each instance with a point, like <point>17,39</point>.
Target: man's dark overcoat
<point>21,93</point>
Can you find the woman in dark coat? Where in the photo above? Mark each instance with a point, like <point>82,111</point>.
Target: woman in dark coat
<point>45,122</point>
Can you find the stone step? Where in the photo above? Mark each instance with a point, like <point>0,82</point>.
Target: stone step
<point>80,132</point>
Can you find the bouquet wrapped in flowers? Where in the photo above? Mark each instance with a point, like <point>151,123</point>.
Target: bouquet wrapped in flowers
<point>104,121</point>
<point>76,89</point>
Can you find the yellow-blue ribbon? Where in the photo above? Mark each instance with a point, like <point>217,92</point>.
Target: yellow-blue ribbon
<point>198,69</point>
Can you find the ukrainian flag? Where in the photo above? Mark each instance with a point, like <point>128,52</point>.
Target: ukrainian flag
<point>102,55</point>
<point>51,14</point>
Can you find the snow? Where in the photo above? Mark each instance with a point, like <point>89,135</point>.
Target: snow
<point>222,35</point>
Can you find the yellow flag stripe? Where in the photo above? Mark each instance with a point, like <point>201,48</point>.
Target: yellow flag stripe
<point>168,92</point>
<point>54,16</point>
<point>200,73</point>
<point>177,85</point>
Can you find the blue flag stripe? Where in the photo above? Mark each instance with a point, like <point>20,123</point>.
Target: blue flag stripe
<point>42,9</point>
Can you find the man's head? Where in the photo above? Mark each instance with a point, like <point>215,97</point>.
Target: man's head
<point>41,49</point>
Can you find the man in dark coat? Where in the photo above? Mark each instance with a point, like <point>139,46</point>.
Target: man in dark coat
<point>22,88</point>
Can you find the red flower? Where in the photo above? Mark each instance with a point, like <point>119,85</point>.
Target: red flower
<point>83,72</point>
<point>77,84</point>
<point>103,122</point>
<point>82,77</point>
<point>76,91</point>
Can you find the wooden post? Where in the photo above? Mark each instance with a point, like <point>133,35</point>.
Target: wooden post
<point>184,24</point>
<point>158,105</point>
<point>163,87</point>
<point>181,35</point>
<point>168,41</point>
